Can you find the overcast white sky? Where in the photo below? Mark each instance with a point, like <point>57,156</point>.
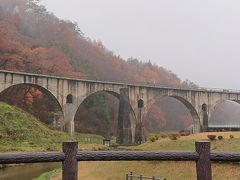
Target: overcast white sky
<point>198,40</point>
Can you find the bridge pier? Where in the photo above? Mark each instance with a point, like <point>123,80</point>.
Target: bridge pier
<point>69,111</point>
<point>59,88</point>
<point>124,132</point>
<point>139,131</point>
<point>205,119</point>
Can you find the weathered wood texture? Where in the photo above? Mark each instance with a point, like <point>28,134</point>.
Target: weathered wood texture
<point>70,164</point>
<point>12,158</point>
<point>15,158</point>
<point>203,164</point>
<point>225,156</point>
<point>69,157</point>
<point>136,156</point>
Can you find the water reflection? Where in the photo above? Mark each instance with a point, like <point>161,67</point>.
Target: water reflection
<point>27,171</point>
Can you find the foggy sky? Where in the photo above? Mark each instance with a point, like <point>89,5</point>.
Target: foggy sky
<point>198,40</point>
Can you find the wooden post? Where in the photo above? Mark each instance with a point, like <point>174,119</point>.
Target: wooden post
<point>140,178</point>
<point>203,164</point>
<point>70,164</point>
<point>153,178</point>
<point>131,175</point>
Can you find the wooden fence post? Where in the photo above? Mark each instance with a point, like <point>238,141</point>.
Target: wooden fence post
<point>131,175</point>
<point>203,164</point>
<point>70,164</point>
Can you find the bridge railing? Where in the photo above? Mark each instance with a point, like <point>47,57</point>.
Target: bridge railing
<point>124,83</point>
<point>218,90</point>
<point>70,157</point>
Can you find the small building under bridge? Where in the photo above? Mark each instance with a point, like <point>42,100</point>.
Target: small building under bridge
<point>220,128</point>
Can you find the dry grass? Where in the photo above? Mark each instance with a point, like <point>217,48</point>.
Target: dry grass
<point>170,170</point>
<point>203,136</point>
<point>187,143</point>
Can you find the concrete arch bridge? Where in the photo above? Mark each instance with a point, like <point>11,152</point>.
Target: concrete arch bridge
<point>70,93</point>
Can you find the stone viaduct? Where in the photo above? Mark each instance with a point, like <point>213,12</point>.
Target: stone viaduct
<point>70,93</point>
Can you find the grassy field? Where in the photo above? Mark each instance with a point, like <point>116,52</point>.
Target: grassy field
<point>49,175</point>
<point>20,131</point>
<point>187,143</point>
<point>170,170</point>
<point>88,138</point>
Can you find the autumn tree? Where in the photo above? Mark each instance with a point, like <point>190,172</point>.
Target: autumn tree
<point>35,40</point>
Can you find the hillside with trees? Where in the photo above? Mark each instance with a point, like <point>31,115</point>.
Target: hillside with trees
<point>35,40</point>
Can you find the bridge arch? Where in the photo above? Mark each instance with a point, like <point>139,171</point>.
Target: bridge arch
<point>56,115</point>
<point>197,127</point>
<point>229,110</point>
<point>113,94</point>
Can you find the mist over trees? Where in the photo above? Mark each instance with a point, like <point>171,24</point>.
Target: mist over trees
<point>98,114</point>
<point>225,113</point>
<point>168,114</point>
<point>35,40</point>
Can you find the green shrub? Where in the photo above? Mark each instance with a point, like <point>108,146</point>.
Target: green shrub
<point>184,132</point>
<point>220,137</point>
<point>153,137</point>
<point>156,136</point>
<point>163,135</point>
<point>211,137</point>
<point>173,136</point>
<point>231,136</point>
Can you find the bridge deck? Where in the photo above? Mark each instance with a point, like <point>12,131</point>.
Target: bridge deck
<point>200,89</point>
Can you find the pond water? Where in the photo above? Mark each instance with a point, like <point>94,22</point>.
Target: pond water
<point>27,171</point>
